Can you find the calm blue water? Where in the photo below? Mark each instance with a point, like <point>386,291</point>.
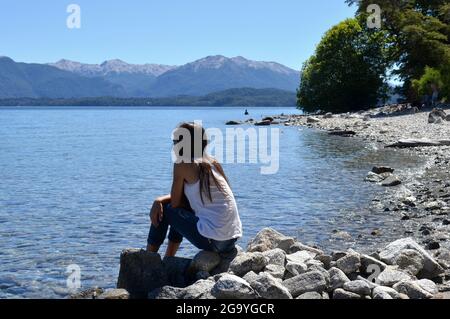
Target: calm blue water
<point>76,185</point>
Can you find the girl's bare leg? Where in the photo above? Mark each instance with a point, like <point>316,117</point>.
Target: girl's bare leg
<point>172,249</point>
<point>152,248</point>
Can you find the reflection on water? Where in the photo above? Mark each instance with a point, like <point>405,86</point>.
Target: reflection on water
<point>76,186</point>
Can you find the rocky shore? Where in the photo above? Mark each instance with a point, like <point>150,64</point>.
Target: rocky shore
<point>275,266</point>
<point>422,203</point>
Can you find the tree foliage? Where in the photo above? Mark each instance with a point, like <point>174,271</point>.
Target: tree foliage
<point>418,35</point>
<point>347,71</point>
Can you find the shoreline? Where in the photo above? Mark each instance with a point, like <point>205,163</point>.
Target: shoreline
<point>422,200</point>
<point>413,266</point>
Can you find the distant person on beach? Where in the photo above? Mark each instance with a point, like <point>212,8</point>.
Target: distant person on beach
<point>201,206</point>
<point>434,94</point>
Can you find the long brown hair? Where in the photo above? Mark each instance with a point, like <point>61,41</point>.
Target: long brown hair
<point>202,159</point>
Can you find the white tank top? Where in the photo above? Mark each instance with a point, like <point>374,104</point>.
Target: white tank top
<point>218,219</point>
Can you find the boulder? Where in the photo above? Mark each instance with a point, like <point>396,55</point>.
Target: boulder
<point>276,271</point>
<point>263,123</point>
<point>411,261</point>
<point>374,178</point>
<point>268,239</point>
<point>246,262</point>
<point>343,133</point>
<point>275,257</point>
<point>337,278</point>
<point>200,290</point>
<point>312,120</point>
<point>325,260</point>
<point>114,294</point>
<point>204,261</point>
<point>431,269</point>
<point>166,292</point>
<point>269,288</point>
<point>300,257</point>
<point>407,143</point>
<point>382,170</point>
<point>312,295</point>
<point>359,287</point>
<point>349,264</point>
<point>141,272</point>
<point>298,246</point>
<point>342,294</point>
<point>90,293</point>
<point>390,276</point>
<point>428,286</point>
<point>310,281</point>
<point>294,269</point>
<point>391,181</point>
<point>382,292</point>
<point>233,287</point>
<point>412,290</point>
<point>436,116</point>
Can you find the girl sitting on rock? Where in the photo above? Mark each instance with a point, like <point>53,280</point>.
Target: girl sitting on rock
<point>201,206</point>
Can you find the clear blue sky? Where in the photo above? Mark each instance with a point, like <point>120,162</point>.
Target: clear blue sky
<point>167,31</point>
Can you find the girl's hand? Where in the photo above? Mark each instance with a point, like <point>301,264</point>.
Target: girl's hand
<point>156,213</point>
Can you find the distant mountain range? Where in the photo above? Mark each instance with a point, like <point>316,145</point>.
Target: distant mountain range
<point>116,78</point>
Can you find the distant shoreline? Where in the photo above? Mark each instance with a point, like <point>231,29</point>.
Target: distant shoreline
<point>242,97</point>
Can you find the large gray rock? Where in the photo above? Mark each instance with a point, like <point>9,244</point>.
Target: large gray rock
<point>382,292</point>
<point>276,257</point>
<point>246,262</point>
<point>268,239</point>
<point>300,257</point>
<point>411,261</point>
<point>342,294</point>
<point>349,264</point>
<point>311,296</point>
<point>167,292</point>
<point>436,116</point>
<point>295,269</point>
<point>270,288</point>
<point>277,260</point>
<point>337,278</point>
<point>412,289</point>
<point>312,120</point>
<point>298,246</point>
<point>310,281</point>
<point>390,276</point>
<point>141,272</point>
<point>200,290</point>
<point>115,294</point>
<point>204,261</point>
<point>428,286</point>
<point>233,287</point>
<point>276,271</point>
<point>391,252</point>
<point>391,181</point>
<point>359,287</point>
<point>250,277</point>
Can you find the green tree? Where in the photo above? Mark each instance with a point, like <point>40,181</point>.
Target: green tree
<point>347,71</point>
<point>417,34</point>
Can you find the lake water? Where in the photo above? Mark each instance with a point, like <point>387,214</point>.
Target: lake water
<point>76,185</point>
